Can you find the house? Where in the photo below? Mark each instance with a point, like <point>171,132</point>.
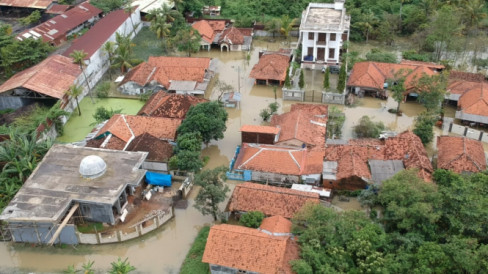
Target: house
<point>181,75</point>
<point>169,105</point>
<point>372,78</point>
<point>460,154</point>
<point>30,4</point>
<point>271,200</point>
<point>271,67</point>
<point>206,32</point>
<point>45,82</point>
<point>323,30</point>
<point>211,10</point>
<point>236,39</point>
<point>104,31</point>
<point>238,249</point>
<point>69,183</point>
<point>303,126</point>
<point>462,82</point>
<point>260,134</point>
<point>57,30</point>
<point>283,165</point>
<point>473,104</point>
<point>361,162</point>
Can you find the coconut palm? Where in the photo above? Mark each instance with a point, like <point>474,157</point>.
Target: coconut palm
<point>109,48</point>
<point>75,91</point>
<point>79,58</point>
<point>160,27</point>
<point>286,25</point>
<point>123,59</point>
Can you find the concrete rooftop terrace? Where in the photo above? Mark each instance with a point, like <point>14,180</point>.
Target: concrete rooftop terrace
<point>56,182</point>
<point>325,17</point>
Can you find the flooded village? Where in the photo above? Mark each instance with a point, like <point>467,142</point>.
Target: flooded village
<point>118,177</point>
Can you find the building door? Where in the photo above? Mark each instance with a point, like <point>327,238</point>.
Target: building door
<point>320,54</point>
<point>331,53</point>
<point>309,56</point>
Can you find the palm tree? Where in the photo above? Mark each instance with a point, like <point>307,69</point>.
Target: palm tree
<point>75,91</point>
<point>79,58</point>
<point>176,3</point>
<point>123,59</point>
<point>160,27</point>
<point>123,41</point>
<point>474,13</point>
<point>109,48</point>
<point>286,25</point>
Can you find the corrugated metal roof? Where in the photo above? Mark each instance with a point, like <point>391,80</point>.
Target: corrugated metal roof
<point>382,170</point>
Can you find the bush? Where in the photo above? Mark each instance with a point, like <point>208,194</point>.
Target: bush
<point>367,128</point>
<point>193,261</point>
<point>102,114</point>
<point>265,114</point>
<point>273,107</point>
<point>414,56</point>
<point>252,219</point>
<point>424,127</point>
<point>102,89</point>
<point>301,81</point>
<point>381,56</point>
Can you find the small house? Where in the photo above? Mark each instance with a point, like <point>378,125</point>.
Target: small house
<point>271,68</point>
<point>473,105</point>
<point>260,134</point>
<point>460,154</point>
<point>169,105</point>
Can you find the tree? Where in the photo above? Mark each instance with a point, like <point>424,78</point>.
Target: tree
<point>341,84</point>
<point>123,59</point>
<point>79,58</point>
<point>287,79</point>
<point>103,114</point>
<point>397,86</point>
<point>251,219</point>
<point>265,114</point>
<point>301,80</point>
<point>18,55</point>
<point>206,118</point>
<point>443,28</point>
<point>188,160</point>
<point>286,24</point>
<point>272,25</point>
<point>365,24</point>
<point>335,122</point>
<point>129,10</point>
<point>109,49</point>
<point>121,267</point>
<point>213,191</point>
<point>381,56</point>
<point>75,91</point>
<point>326,79</point>
<point>33,18</point>
<point>367,128</point>
<point>432,90</point>
<point>108,5</point>
<point>191,141</point>
<point>424,124</point>
<point>188,40</point>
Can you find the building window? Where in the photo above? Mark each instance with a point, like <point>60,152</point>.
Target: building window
<point>331,53</point>
<point>332,37</point>
<point>310,36</point>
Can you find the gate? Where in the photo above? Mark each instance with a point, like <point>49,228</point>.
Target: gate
<point>313,96</point>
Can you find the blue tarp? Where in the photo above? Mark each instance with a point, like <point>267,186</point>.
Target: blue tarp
<point>158,179</point>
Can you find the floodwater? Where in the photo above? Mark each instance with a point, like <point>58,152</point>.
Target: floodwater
<point>164,250</point>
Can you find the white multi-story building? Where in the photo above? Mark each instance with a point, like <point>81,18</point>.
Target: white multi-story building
<point>323,30</point>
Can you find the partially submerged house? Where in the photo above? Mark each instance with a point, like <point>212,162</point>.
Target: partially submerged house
<point>271,200</point>
<point>361,162</point>
<point>462,82</point>
<point>473,104</point>
<point>57,30</point>
<point>237,249</point>
<point>278,164</point>
<point>71,183</point>
<point>323,30</point>
<point>217,32</point>
<point>460,154</point>
<point>260,134</point>
<point>271,67</point>
<point>169,105</point>
<point>181,75</point>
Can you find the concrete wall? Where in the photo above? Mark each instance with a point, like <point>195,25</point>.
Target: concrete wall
<point>218,269</point>
<point>306,43</point>
<point>41,233</point>
<point>259,176</point>
<point>333,98</point>
<point>155,166</point>
<point>293,95</point>
<point>464,131</point>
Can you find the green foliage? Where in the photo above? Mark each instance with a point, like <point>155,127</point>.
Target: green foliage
<point>424,124</point>
<point>326,78</point>
<point>273,107</point>
<point>397,86</point>
<point>367,128</point>
<point>124,58</point>
<point>18,55</point>
<point>272,25</point>
<point>103,89</point>
<point>189,160</point>
<point>206,118</point>
<point>252,219</point>
<point>265,114</point>
<point>187,40</point>
<point>33,18</point>
<point>121,267</point>
<point>90,227</point>
<point>193,261</point>
<point>191,141</point>
<point>109,5</point>
<point>301,80</point>
<point>103,114</point>
<point>341,84</point>
<point>414,56</point>
<point>335,122</point>
<point>75,91</point>
<point>432,90</point>
<point>213,191</point>
<point>287,78</point>
<point>381,56</point>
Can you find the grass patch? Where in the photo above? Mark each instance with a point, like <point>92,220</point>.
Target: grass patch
<point>193,261</point>
<point>147,44</point>
<point>90,227</point>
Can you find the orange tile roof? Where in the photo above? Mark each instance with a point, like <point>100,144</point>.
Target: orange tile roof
<point>162,104</point>
<point>475,101</point>
<point>189,62</point>
<point>280,160</point>
<point>457,86</point>
<point>52,77</point>
<point>260,129</point>
<point>460,154</point>
<point>232,36</point>
<point>276,224</point>
<point>420,63</point>
<point>249,249</point>
<point>270,200</point>
<point>304,122</point>
<point>271,67</point>
<point>206,31</point>
<point>217,25</point>
<point>141,74</point>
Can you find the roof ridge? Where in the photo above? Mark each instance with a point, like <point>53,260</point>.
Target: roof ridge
<point>307,194</point>
<point>250,158</point>
<point>258,234</point>
<point>294,160</point>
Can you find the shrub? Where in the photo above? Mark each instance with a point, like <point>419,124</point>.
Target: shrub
<point>265,114</point>
<point>414,56</point>
<point>252,219</point>
<point>367,128</point>
<point>424,127</point>
<point>102,114</point>
<point>103,89</point>
<point>273,107</point>
<point>381,56</point>
<point>301,81</point>
<point>193,261</point>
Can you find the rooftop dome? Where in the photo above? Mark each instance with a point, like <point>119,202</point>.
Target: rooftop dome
<point>92,166</point>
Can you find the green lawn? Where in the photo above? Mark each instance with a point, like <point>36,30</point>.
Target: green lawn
<point>193,261</point>
<point>147,44</point>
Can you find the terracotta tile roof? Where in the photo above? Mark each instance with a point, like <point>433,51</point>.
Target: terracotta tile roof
<point>94,39</point>
<point>141,74</point>
<point>276,224</point>
<point>249,249</point>
<point>217,25</point>
<point>366,74</point>
<point>466,76</point>
<point>425,64</point>
<point>305,122</point>
<point>232,36</point>
<point>271,67</point>
<point>457,86</point>
<point>35,4</point>
<point>460,154</point>
<point>270,200</point>
<point>159,150</point>
<point>52,77</point>
<point>260,129</point>
<point>162,104</point>
<point>189,62</point>
<point>57,9</point>
<point>475,101</point>
<point>206,31</point>
<point>280,160</point>
<point>246,31</point>
<point>60,25</point>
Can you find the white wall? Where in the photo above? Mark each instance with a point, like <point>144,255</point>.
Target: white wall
<point>306,43</point>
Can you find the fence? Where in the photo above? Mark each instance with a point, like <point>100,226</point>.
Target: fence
<point>449,126</point>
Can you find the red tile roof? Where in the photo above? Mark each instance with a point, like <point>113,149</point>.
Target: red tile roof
<point>206,31</point>
<point>425,64</point>
<point>460,154</point>
<point>276,224</point>
<point>270,200</point>
<point>162,104</point>
<point>280,160</point>
<point>35,4</point>
<point>232,36</point>
<point>260,129</point>
<point>271,67</point>
<point>52,77</point>
<point>57,9</point>
<point>94,39</point>
<point>304,122</point>
<point>217,25</point>
<point>159,150</point>
<point>249,249</point>
<point>57,27</point>
<point>475,101</point>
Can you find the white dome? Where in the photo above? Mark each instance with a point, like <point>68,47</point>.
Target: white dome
<point>92,166</point>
